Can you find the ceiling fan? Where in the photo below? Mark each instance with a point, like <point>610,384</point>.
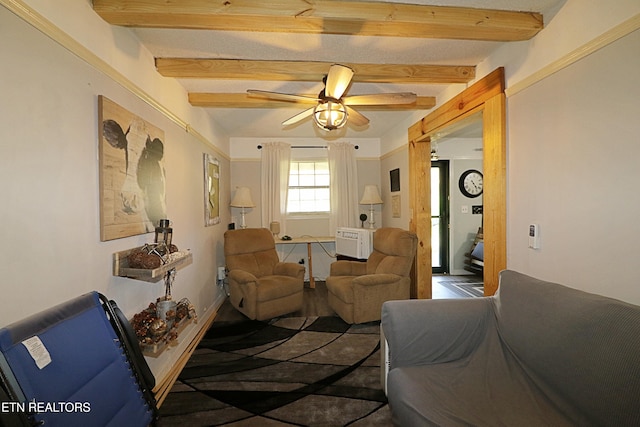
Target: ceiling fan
<point>332,108</point>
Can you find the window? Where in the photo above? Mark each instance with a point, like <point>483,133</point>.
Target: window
<point>308,187</point>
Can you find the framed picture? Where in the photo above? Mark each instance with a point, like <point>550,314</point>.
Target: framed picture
<point>395,206</point>
<point>394,175</point>
<point>132,173</point>
<point>211,190</point>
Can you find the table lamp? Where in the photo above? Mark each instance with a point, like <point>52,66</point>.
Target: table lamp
<point>371,197</point>
<point>242,200</point>
<point>275,228</point>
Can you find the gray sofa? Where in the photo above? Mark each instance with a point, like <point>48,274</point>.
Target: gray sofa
<point>535,354</point>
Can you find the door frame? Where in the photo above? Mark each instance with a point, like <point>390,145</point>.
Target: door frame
<point>485,96</point>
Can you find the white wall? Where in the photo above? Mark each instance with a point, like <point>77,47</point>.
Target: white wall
<point>397,159</point>
<point>577,24</point>
<point>49,219</point>
<point>573,169</point>
<point>574,127</point>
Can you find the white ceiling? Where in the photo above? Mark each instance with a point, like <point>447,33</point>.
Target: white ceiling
<point>246,122</point>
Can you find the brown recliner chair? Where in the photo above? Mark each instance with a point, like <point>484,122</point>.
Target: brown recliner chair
<point>260,286</point>
<point>358,289</point>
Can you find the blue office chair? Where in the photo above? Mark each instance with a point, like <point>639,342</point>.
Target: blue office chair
<point>76,364</point>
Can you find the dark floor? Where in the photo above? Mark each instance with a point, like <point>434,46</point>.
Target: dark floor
<point>316,302</point>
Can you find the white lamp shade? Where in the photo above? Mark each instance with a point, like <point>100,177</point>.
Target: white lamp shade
<point>371,196</point>
<point>242,199</point>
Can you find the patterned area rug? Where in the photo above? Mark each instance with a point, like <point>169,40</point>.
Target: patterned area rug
<point>296,371</point>
<point>464,288</point>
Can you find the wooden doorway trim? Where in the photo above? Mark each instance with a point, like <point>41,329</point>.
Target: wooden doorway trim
<point>485,96</point>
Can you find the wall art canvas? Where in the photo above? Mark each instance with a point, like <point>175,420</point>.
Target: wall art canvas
<point>211,190</point>
<point>396,207</point>
<point>132,173</point>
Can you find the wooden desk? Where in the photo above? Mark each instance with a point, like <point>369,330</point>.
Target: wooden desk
<point>309,240</point>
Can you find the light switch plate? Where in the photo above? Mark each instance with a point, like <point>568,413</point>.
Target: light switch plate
<point>534,236</point>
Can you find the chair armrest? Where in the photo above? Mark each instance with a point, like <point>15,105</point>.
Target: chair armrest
<point>421,332</point>
<point>348,268</point>
<point>376,279</point>
<point>242,277</point>
<point>291,269</point>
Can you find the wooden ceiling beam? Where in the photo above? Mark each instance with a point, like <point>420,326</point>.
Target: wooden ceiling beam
<point>242,100</point>
<point>348,17</point>
<point>310,71</point>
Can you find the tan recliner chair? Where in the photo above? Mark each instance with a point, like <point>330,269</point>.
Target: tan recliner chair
<point>358,289</point>
<point>260,286</point>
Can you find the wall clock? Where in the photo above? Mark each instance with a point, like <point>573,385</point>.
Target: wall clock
<point>470,183</point>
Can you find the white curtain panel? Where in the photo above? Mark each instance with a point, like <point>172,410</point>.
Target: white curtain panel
<point>276,158</point>
<point>343,171</point>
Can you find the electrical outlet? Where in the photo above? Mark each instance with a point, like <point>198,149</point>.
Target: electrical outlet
<point>222,274</point>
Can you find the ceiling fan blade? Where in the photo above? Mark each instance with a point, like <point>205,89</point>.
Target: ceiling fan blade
<point>338,80</point>
<point>381,99</point>
<point>300,116</point>
<point>356,118</point>
<point>283,96</point>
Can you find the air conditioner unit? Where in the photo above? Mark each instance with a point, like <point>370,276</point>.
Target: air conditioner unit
<point>354,242</point>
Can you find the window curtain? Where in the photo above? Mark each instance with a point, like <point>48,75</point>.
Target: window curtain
<point>343,172</point>
<point>276,157</point>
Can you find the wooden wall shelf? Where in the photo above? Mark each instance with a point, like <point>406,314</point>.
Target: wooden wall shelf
<point>121,267</point>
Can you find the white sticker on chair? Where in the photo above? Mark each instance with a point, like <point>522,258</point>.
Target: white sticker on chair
<point>38,351</point>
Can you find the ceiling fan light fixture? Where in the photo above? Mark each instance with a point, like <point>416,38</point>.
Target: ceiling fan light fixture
<point>330,114</point>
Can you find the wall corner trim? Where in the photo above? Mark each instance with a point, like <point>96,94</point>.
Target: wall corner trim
<point>608,37</point>
<point>42,24</point>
